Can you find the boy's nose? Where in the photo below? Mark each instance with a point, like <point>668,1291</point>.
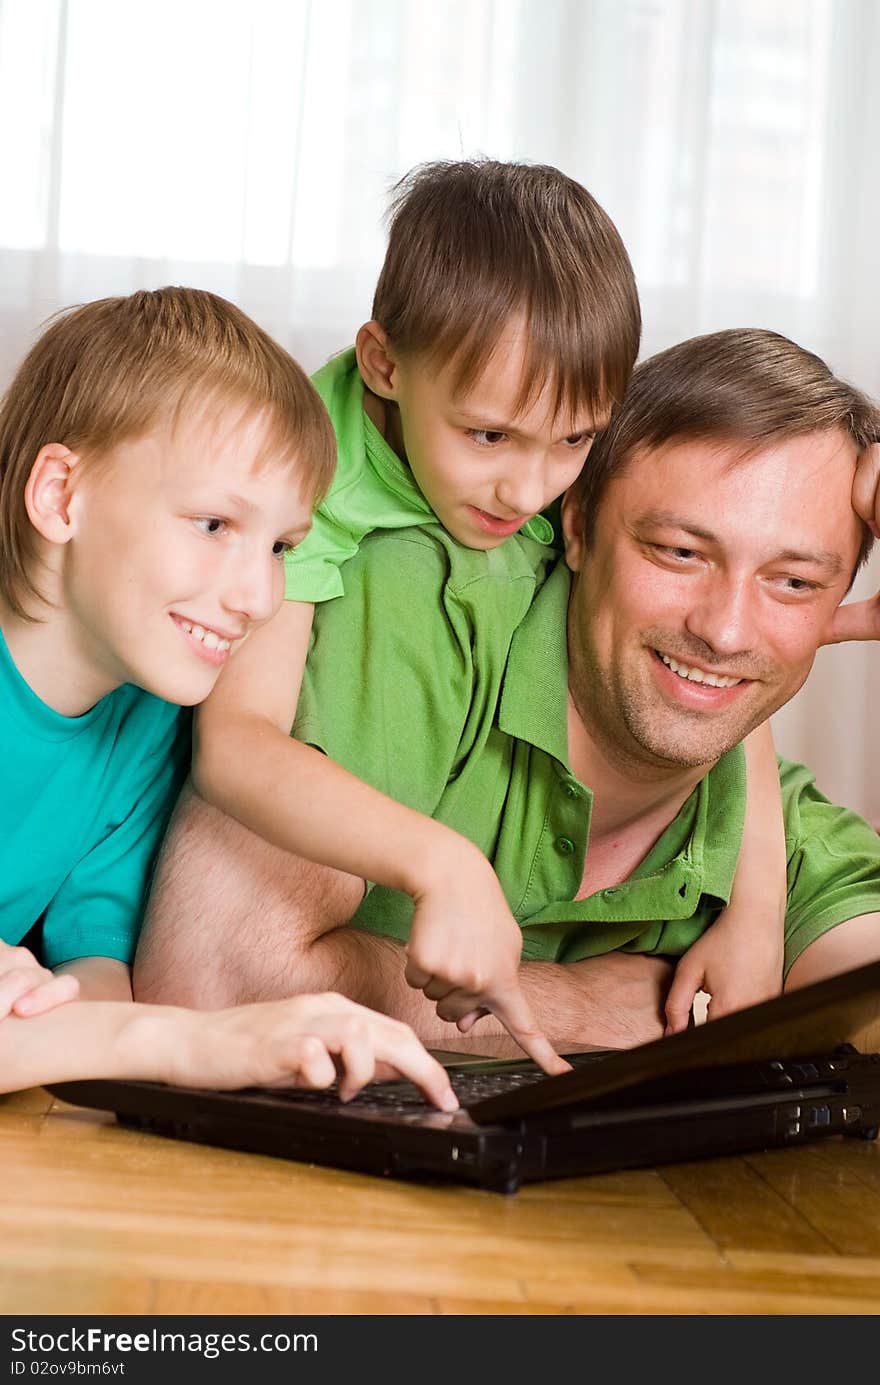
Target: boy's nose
<point>522,490</point>
<point>255,590</point>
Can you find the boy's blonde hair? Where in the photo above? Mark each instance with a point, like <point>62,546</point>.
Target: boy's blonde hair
<point>109,371</point>
<point>478,243</point>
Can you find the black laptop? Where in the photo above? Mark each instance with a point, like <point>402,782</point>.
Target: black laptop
<point>787,1072</point>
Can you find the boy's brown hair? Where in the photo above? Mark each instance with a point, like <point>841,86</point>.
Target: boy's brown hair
<point>745,385</point>
<point>108,371</point>
<point>474,244</point>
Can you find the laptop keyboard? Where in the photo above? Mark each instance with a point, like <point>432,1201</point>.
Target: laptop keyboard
<point>403,1097</point>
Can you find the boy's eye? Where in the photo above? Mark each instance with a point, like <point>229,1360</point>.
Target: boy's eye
<point>280,547</point>
<point>579,440</point>
<point>486,437</point>
<point>209,524</point>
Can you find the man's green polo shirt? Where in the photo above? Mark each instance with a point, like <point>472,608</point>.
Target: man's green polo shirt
<point>441,679</point>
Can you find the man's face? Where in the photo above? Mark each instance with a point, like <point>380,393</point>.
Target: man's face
<point>484,468</point>
<point>178,552</point>
<point>698,609</point>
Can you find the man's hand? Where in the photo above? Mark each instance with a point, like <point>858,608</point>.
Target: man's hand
<point>855,620</point>
<point>866,488</point>
<point>614,1000</point>
<point>738,962</point>
<point>464,953</point>
<point>299,1042</point>
<point>28,989</point>
<point>860,620</point>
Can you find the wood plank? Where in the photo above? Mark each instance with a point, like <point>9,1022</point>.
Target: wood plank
<point>643,1188</point>
<point>147,1184</point>
<point>36,1101</point>
<point>673,1301</point>
<point>175,1296</point>
<point>412,1260</point>
<point>737,1207</point>
<point>828,1279</point>
<point>829,1185</point>
<point>462,1307</point>
<point>831,1268</point>
<point>47,1289</point>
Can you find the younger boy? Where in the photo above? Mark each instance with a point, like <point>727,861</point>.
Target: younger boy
<point>505,325</point>
<point>159,455</point>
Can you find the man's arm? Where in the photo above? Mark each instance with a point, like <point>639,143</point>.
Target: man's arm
<point>233,919</point>
<point>854,943</point>
<point>230,916</point>
<point>833,914</point>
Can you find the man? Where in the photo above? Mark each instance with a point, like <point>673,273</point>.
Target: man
<point>709,543</point>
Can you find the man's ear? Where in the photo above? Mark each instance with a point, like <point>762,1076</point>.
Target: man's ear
<point>573,529</point>
<point>376,362</point>
<point>49,490</point>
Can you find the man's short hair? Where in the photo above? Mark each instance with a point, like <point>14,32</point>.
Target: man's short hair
<point>747,386</point>
<point>476,244</point>
<point>109,371</point>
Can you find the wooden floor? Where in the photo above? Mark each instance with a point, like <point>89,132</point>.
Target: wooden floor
<point>97,1219</point>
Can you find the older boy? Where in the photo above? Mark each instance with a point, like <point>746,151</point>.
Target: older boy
<point>159,455</point>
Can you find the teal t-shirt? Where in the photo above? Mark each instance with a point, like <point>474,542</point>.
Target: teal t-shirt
<point>372,489</point>
<point>83,807</point>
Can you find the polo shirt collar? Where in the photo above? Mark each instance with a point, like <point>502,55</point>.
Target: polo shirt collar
<point>534,699</point>
<point>340,383</point>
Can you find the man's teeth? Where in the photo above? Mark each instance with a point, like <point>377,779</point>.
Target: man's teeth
<point>207,637</point>
<point>697,675</point>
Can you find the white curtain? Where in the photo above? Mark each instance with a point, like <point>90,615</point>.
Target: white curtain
<point>247,146</point>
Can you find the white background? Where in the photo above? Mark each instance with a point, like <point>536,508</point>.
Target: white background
<point>248,147</point>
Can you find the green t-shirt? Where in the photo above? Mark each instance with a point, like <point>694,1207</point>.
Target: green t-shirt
<point>441,679</point>
<point>372,489</point>
<point>84,803</point>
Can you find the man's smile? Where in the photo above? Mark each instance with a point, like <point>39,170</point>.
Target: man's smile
<point>694,674</point>
<point>696,686</point>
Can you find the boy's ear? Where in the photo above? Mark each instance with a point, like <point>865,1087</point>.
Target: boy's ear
<point>48,492</point>
<point>376,363</point>
<point>573,529</point>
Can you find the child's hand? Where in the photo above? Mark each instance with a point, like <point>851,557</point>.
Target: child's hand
<point>738,961</point>
<point>860,620</point>
<point>295,1043</point>
<point>28,989</point>
<point>464,952</point>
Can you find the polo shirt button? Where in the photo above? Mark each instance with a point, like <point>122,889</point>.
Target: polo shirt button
<point>570,791</point>
<point>565,845</point>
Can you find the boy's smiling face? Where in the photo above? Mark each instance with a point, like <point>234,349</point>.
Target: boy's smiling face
<point>177,547</point>
<point>484,466</point>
